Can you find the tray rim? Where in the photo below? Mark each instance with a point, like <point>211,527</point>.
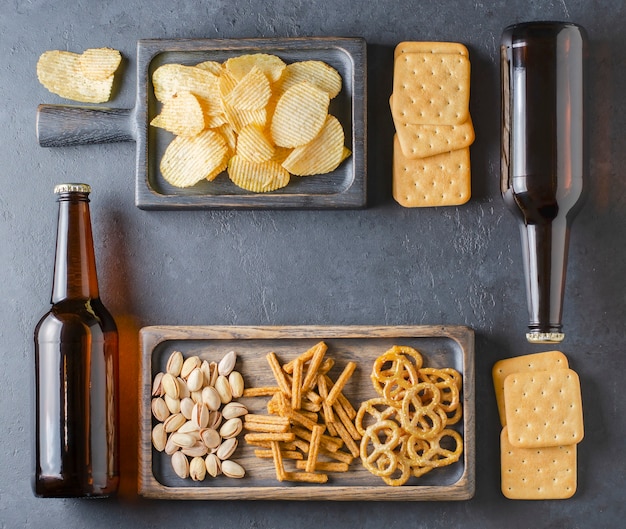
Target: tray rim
<point>354,197</point>
<point>463,489</point>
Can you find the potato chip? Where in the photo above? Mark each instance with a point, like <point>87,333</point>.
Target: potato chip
<point>169,79</point>
<point>300,115</point>
<point>60,72</point>
<point>252,92</point>
<point>99,63</point>
<point>318,73</point>
<point>240,118</point>
<point>321,155</point>
<point>211,66</point>
<point>271,65</point>
<point>257,177</point>
<point>181,115</point>
<point>187,160</point>
<point>254,145</point>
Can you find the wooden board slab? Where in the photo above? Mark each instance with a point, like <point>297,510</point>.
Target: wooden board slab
<point>441,346</point>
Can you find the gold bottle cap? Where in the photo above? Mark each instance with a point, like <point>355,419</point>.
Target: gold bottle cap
<point>72,188</point>
<point>545,337</point>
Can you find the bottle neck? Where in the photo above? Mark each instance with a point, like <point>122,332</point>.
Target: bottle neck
<point>75,263</point>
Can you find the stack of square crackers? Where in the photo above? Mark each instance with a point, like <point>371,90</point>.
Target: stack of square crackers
<point>540,407</point>
<point>430,109</point>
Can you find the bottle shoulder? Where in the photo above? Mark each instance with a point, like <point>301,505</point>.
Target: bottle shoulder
<point>77,317</point>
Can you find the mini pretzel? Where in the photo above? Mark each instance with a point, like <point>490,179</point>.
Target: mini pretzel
<point>446,385</point>
<point>390,433</point>
<point>436,456</point>
<point>370,407</point>
<point>394,372</point>
<point>423,420</point>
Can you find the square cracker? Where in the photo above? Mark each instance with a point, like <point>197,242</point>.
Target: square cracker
<point>431,88</point>
<point>544,408</point>
<point>441,180</point>
<point>420,141</point>
<point>537,473</point>
<point>518,364</point>
<point>430,47</point>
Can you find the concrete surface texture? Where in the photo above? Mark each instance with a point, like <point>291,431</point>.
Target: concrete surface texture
<point>380,265</point>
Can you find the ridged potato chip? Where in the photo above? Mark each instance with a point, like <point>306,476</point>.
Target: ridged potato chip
<point>321,155</point>
<point>181,115</point>
<point>270,65</point>
<point>254,145</point>
<point>99,63</point>
<point>318,73</point>
<point>252,92</point>
<point>300,115</point>
<point>257,177</point>
<point>211,66</point>
<point>187,160</point>
<point>169,79</point>
<point>60,72</point>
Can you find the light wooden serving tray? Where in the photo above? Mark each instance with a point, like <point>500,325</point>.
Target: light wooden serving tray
<point>441,346</point>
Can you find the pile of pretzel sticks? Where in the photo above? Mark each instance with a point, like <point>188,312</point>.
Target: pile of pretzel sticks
<point>309,421</point>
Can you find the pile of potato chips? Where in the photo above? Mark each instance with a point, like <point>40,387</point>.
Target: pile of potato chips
<point>253,115</point>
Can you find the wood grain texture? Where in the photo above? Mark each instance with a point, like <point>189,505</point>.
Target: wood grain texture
<point>440,345</point>
<point>65,125</point>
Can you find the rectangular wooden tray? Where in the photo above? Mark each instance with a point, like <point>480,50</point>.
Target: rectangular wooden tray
<point>345,187</point>
<point>441,346</point>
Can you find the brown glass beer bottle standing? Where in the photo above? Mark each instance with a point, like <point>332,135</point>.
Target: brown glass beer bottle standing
<point>543,157</point>
<point>76,367</point>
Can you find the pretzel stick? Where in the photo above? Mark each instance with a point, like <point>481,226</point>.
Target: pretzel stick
<point>314,365</point>
<point>296,385</point>
<point>341,382</point>
<point>278,373</point>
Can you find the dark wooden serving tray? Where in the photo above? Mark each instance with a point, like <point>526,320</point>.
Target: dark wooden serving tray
<point>63,125</point>
<point>441,346</point>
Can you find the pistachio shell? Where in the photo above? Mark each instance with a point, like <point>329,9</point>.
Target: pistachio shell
<point>197,469</point>
<point>211,398</point>
<point>170,385</point>
<point>210,437</point>
<point>175,363</point>
<point>195,380</point>
<point>157,390</point>
<point>234,409</point>
<point>172,404</point>
<point>233,469</point>
<point>186,407</point>
<point>174,422</point>
<point>223,388</point>
<point>160,409</point>
<point>180,464</point>
<point>183,390</point>
<point>236,384</point>
<point>159,437</point>
<point>227,448</point>
<point>200,415</point>
<point>189,365</point>
<point>183,440</point>
<point>213,465</point>
<point>231,428</point>
<point>199,449</point>
<point>227,363</point>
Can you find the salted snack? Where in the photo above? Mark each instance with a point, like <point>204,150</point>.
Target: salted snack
<point>86,77</point>
<point>548,360</point>
<point>274,118</point>
<point>540,403</point>
<point>308,430</point>
<point>197,421</point>
<point>430,110</point>
<point>405,431</point>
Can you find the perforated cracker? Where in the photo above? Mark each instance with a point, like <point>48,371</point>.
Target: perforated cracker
<point>430,47</point>
<point>537,473</point>
<point>544,408</point>
<point>431,88</point>
<point>420,141</point>
<point>441,180</point>
<point>548,360</point>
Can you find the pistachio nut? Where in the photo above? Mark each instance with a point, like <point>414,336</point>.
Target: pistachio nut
<point>183,440</point>
<point>227,448</point>
<point>197,469</point>
<point>170,385</point>
<point>160,409</point>
<point>200,415</point>
<point>186,407</point>
<point>174,363</point>
<point>157,390</point>
<point>231,428</point>
<point>223,388</point>
<point>232,469</point>
<point>174,422</point>
<point>234,409</point>
<point>189,365</point>
<point>159,437</point>
<point>172,404</point>
<point>180,464</point>
<point>213,465</point>
<point>197,450</point>
<point>227,363</point>
<point>195,380</point>
<point>210,437</point>
<point>236,384</point>
<point>211,398</point>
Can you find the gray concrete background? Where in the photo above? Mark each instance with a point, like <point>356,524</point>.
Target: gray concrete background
<point>380,265</point>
